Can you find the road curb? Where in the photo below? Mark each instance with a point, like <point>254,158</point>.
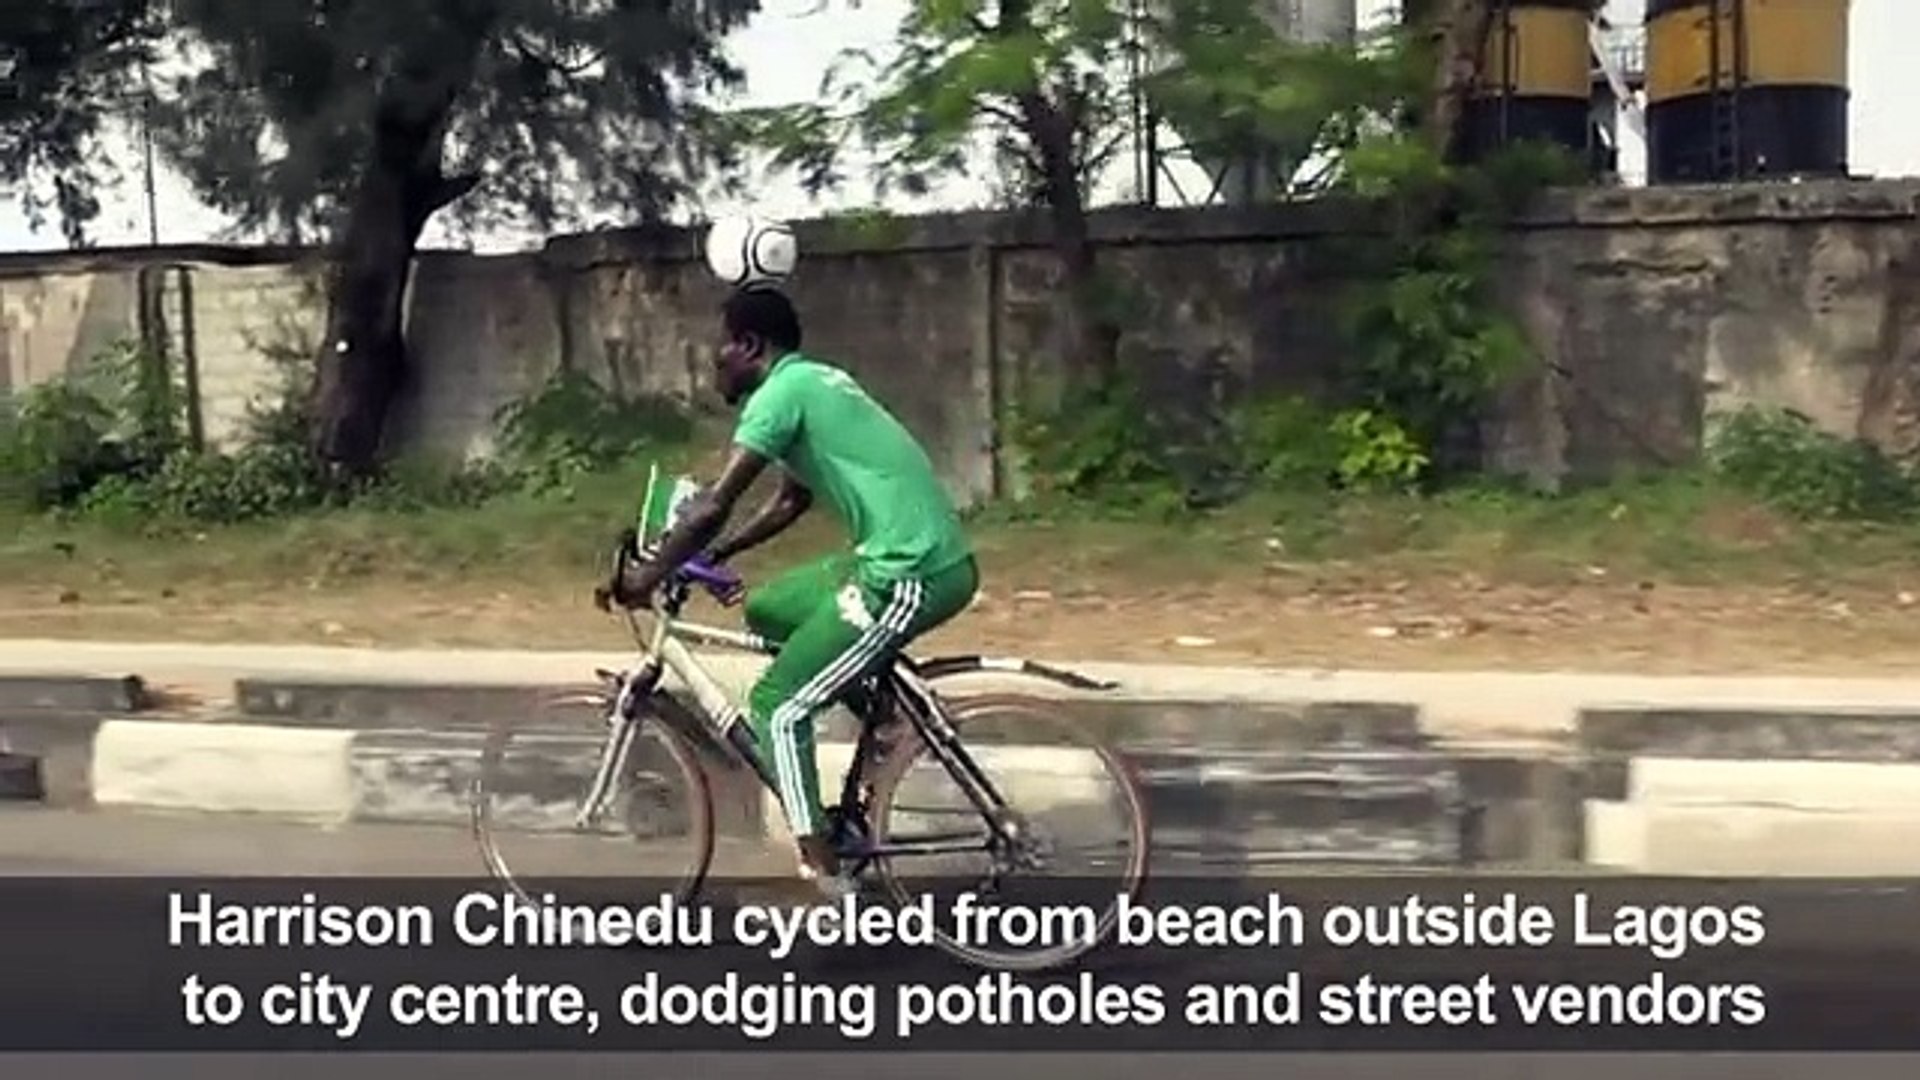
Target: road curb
<point>1211,766</point>
<point>1235,784</point>
<point>1217,808</point>
<point>1118,715</point>
<point>1735,789</point>
<point>1759,732</point>
<point>31,696</point>
<point>48,722</point>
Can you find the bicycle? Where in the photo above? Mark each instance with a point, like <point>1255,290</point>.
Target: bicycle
<point>691,738</point>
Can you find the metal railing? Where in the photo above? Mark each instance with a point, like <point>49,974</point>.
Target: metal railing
<point>1625,53</point>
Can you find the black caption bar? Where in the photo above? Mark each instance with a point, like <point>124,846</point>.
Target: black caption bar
<point>1347,962</point>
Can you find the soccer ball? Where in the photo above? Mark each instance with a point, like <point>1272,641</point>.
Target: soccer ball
<point>745,249</point>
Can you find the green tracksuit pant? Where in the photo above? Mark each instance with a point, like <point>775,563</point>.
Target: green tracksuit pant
<point>832,631</point>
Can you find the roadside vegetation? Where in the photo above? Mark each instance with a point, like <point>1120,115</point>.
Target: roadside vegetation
<point>106,492</point>
<point>96,471</point>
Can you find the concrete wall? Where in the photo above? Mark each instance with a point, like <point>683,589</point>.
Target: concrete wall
<point>1655,307</point>
<point>218,316</point>
<point>1649,308</point>
<point>48,318</point>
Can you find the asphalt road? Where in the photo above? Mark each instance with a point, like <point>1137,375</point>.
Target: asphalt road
<point>1520,706</point>
<point>36,842</point>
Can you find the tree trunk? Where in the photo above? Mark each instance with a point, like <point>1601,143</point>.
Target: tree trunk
<point>1092,334</point>
<point>363,361</point>
<point>1460,29</point>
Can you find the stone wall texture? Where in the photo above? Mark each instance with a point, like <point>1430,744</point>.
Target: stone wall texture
<point>1649,308</point>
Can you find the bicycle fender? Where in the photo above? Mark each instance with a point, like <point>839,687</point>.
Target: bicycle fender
<point>960,665</point>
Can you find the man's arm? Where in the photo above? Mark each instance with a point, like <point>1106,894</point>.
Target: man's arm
<point>781,510</point>
<point>701,519</point>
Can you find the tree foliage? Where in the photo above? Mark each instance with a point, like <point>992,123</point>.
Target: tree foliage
<point>548,111</point>
<point>1233,87</point>
<point>1054,86</point>
<point>65,71</point>
<point>962,69</point>
<point>357,121</point>
<point>1042,82</point>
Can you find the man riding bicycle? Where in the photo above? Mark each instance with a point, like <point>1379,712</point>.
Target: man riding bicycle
<point>836,620</point>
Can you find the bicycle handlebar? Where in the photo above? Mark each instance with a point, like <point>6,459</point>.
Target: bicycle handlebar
<point>714,577</point>
<point>718,580</point>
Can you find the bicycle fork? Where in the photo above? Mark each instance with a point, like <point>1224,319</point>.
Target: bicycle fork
<point>624,719</point>
<point>633,700</point>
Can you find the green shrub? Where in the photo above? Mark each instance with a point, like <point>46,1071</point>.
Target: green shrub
<point>417,482</point>
<point>1376,452</point>
<point>258,482</point>
<point>572,426</point>
<point>1286,442</point>
<point>571,417</point>
<point>56,442</point>
<point>113,415</point>
<point>1783,459</point>
<point>1097,445</point>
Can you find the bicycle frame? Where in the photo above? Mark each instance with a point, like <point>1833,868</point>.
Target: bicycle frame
<point>720,729</point>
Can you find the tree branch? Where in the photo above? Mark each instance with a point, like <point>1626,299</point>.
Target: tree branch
<point>448,190</point>
<point>1461,29</point>
<point>532,52</point>
<point>1003,114</point>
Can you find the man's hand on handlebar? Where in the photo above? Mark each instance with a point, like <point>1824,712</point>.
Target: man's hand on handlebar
<point>635,580</point>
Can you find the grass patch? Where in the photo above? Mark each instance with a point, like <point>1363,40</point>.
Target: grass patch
<point>1679,529</point>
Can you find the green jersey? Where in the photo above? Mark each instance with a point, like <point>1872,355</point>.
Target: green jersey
<point>820,424</point>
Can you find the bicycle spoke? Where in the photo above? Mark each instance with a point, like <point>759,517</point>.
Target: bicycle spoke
<point>541,830</point>
<point>1071,829</point>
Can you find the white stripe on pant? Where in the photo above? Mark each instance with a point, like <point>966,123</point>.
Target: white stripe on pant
<point>892,625</point>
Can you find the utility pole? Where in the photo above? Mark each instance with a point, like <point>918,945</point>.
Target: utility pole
<point>146,141</point>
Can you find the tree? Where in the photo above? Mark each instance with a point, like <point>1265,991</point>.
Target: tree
<point>62,63</point>
<point>1459,30</point>
<point>1428,339</point>
<point>357,121</point>
<point>1457,34</point>
<point>1233,88</point>
<point>1050,84</point>
<point>1042,78</point>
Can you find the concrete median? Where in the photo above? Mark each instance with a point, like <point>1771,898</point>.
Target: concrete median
<point>47,726</point>
<point>1232,782</point>
<point>228,768</point>
<point>1786,790</point>
<point>1257,777</point>
<point>1769,731</point>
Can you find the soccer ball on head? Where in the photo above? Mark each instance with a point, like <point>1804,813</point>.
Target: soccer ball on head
<point>747,249</point>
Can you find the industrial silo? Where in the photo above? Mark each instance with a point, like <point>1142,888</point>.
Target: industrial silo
<point>1746,89</point>
<point>1536,78</point>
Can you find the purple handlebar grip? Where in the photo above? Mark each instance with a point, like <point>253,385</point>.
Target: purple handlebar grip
<point>708,574</point>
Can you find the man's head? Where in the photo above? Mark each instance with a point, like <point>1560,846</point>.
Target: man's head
<point>760,326</point>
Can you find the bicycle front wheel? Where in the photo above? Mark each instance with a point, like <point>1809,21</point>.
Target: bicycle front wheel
<point>1025,792</point>
<point>541,834</point>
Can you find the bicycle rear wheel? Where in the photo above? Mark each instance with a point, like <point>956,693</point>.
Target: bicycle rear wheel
<point>1076,807</point>
<point>651,833</point>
